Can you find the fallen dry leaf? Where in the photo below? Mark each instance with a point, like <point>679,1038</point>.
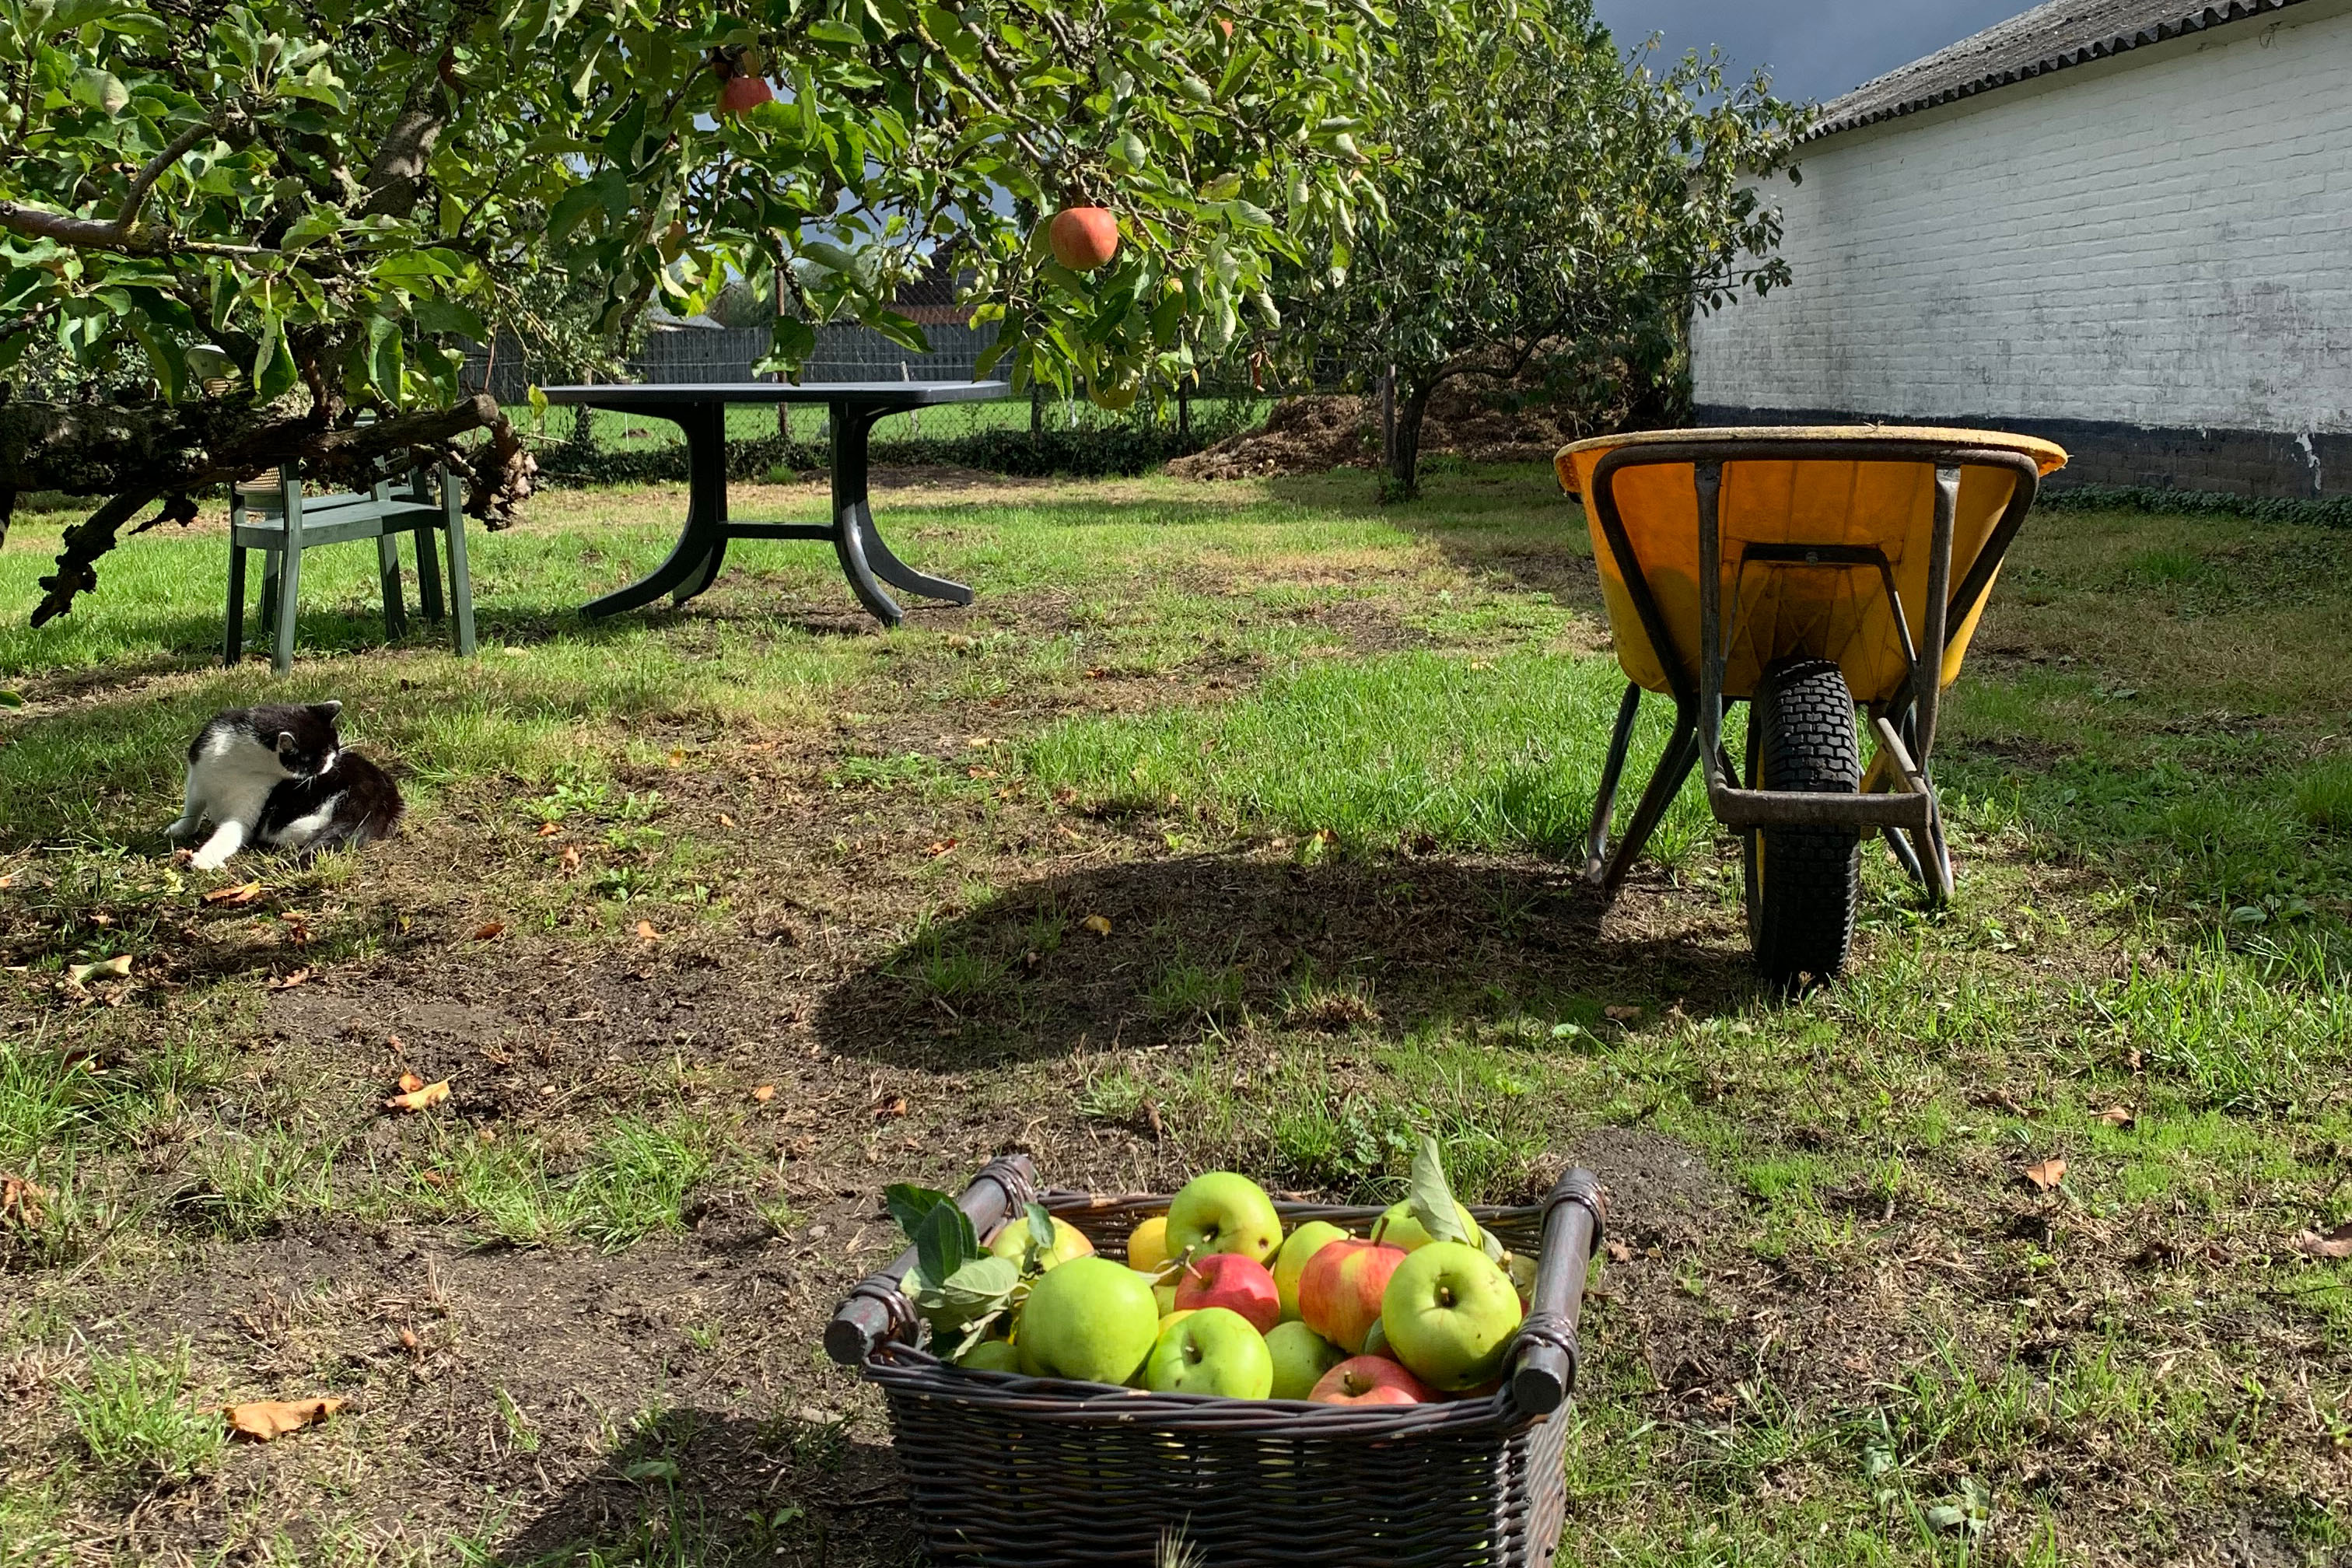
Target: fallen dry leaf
<point>571,857</point>
<point>943,846</point>
<point>243,893</point>
<point>677,759</point>
<point>980,772</point>
<point>894,1106</point>
<point>549,829</point>
<point>490,930</point>
<point>646,931</point>
<point>288,982</point>
<point>725,820</point>
<point>1098,673</point>
<point>410,1083</point>
<point>263,1420</point>
<point>2334,1247</point>
<point>20,1200</point>
<point>1619,1251</point>
<point>1064,796</point>
<point>764,1093</point>
<point>417,1099</point>
<point>2045,1174</point>
<point>2118,1116</point>
<point>115,968</point>
<point>1099,924</point>
<point>1622,1014</point>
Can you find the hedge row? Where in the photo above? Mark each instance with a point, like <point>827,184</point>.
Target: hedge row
<point>2333,511</point>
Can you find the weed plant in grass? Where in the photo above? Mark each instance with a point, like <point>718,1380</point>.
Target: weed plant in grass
<point>138,1425</point>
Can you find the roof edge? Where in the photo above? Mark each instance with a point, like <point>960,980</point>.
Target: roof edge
<point>2221,13</point>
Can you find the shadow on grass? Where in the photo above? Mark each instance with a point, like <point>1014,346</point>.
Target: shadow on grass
<point>1024,977</point>
<point>695,1487</point>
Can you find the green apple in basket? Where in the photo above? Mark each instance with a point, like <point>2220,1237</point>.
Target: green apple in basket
<point>1222,1212</point>
<point>1449,1311</point>
<point>1212,1350</point>
<point>1090,1320</point>
<point>1301,1357</point>
<point>1036,1241</point>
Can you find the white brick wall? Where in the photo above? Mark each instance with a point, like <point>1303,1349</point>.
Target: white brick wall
<point>2163,239</point>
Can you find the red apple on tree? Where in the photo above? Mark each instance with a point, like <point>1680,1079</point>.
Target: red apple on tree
<point>1371,1380</point>
<point>1339,1289</point>
<point>743,94</point>
<point>1083,238</point>
<point>1233,1281</point>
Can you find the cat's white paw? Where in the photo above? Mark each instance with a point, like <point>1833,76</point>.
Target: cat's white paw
<point>210,859</point>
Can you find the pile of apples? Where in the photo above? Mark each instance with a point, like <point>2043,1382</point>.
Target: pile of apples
<point>1215,1299</point>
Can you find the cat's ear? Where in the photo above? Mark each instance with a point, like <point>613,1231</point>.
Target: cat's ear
<point>287,746</point>
<point>327,710</point>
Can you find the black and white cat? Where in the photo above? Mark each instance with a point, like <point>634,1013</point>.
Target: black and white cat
<point>279,777</point>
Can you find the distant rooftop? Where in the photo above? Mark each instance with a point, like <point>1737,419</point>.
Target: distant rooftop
<point>2047,39</point>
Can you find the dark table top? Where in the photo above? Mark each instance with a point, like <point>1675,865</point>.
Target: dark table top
<point>850,393</point>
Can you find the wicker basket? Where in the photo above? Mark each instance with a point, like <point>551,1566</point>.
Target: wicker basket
<point>1027,1472</point>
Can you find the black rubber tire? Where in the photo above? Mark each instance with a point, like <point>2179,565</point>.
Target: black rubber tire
<point>1804,884</point>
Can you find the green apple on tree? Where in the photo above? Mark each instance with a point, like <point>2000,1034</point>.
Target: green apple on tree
<point>1211,1351</point>
<point>1223,1212</point>
<point>1303,1243</point>
<point>1090,1320</point>
<point>1301,1357</point>
<point>1449,1313</point>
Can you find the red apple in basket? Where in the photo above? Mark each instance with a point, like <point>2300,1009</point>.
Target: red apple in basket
<point>1237,1283</point>
<point>1339,1289</point>
<point>1371,1380</point>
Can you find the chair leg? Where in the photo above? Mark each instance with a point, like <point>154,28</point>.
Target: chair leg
<point>270,565</point>
<point>395,605</point>
<point>461,580</point>
<point>428,575</point>
<point>289,579</point>
<point>232,638</point>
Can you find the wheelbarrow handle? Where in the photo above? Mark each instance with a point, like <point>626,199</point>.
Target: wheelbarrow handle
<point>1544,1370</point>
<point>876,1310</point>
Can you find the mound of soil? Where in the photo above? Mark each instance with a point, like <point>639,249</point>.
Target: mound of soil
<point>1479,417</point>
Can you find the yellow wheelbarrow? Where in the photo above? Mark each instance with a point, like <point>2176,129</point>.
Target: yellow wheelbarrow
<point>1804,571</point>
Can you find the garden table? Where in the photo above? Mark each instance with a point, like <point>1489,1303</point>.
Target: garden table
<point>700,411</point>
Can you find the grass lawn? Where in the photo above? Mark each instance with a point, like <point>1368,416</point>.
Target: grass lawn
<point>1322,765</point>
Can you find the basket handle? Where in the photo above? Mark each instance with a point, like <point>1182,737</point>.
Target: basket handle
<point>875,1309</point>
<point>1545,1370</point>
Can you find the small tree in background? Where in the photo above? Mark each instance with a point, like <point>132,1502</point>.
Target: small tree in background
<point>1548,206</point>
<point>243,223</point>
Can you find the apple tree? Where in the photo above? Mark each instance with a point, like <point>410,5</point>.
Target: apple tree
<point>1543,191</point>
<point>237,233</point>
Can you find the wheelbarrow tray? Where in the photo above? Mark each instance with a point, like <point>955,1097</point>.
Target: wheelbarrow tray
<point>1726,554</point>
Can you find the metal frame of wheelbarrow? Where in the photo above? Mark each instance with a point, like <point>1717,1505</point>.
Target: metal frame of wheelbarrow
<point>1905,726</point>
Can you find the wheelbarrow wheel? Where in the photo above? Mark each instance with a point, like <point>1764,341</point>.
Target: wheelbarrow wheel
<point>1804,884</point>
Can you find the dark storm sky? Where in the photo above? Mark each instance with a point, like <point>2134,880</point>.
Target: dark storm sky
<point>1815,48</point>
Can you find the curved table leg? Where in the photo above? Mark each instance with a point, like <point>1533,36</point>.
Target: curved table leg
<point>702,543</point>
<point>703,578</point>
<point>850,429</point>
<point>898,573</point>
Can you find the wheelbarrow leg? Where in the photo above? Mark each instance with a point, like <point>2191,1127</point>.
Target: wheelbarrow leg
<point>1673,767</point>
<point>1612,772</point>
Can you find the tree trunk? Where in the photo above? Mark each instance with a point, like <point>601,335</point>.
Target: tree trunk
<point>1403,481</point>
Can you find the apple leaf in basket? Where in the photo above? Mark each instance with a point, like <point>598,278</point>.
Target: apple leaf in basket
<point>945,1243</point>
<point>1432,1197</point>
<point>910,1204</point>
<point>1040,1234</point>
